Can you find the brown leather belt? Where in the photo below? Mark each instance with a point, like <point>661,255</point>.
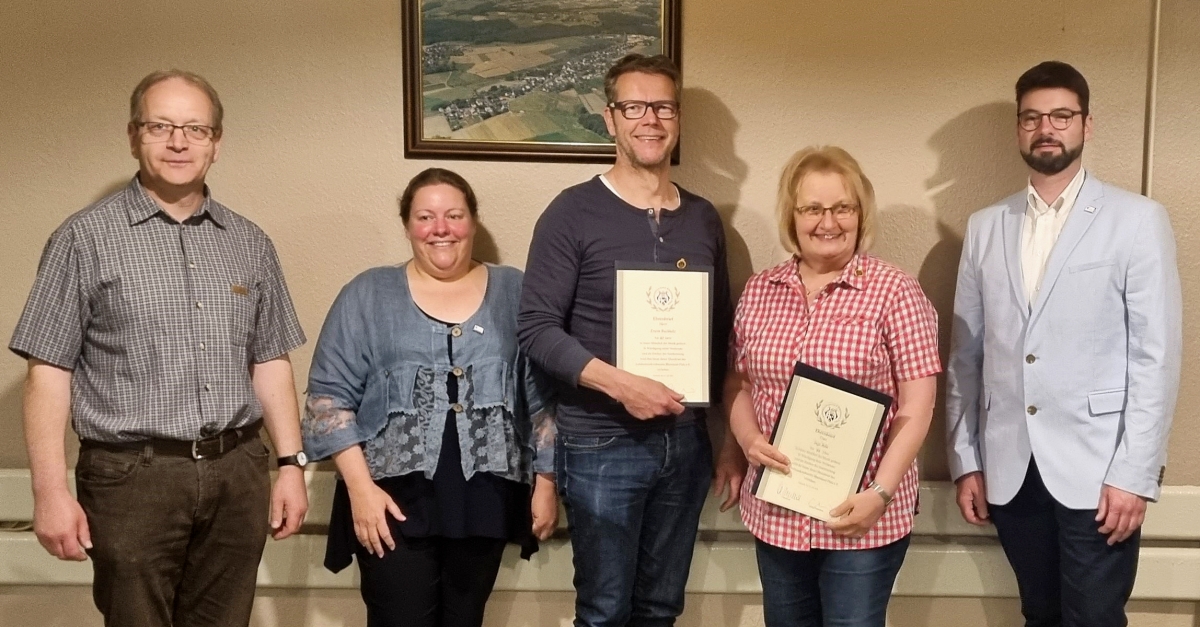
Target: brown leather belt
<point>211,446</point>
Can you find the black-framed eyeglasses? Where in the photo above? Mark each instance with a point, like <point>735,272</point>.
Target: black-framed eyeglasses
<point>1059,118</point>
<point>162,131</point>
<point>840,211</point>
<point>636,109</point>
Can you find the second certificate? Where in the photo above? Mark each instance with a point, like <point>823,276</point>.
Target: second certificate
<point>663,327</point>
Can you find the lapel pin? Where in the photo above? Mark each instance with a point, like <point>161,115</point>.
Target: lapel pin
<point>478,329</point>
<point>1090,210</point>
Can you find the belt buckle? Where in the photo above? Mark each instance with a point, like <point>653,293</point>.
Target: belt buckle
<point>218,439</point>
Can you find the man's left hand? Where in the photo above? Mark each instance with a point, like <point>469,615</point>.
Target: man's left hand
<point>1120,513</point>
<point>729,472</point>
<point>289,502</point>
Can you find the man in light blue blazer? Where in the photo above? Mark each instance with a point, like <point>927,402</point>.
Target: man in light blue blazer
<point>1065,366</point>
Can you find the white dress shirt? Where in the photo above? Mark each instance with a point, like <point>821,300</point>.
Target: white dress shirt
<point>1042,225</point>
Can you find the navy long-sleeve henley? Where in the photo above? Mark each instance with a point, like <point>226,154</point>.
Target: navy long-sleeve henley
<point>566,315</point>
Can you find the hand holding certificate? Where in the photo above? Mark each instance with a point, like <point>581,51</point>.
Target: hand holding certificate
<point>663,326</point>
<point>827,427</point>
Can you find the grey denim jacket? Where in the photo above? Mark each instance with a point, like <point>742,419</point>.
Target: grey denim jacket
<point>380,358</point>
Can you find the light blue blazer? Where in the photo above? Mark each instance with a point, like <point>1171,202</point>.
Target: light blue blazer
<point>1085,379</point>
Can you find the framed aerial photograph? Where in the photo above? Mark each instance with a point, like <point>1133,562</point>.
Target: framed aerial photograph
<point>521,79</point>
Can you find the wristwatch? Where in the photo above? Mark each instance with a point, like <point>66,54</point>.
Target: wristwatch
<point>883,493</point>
<point>299,459</point>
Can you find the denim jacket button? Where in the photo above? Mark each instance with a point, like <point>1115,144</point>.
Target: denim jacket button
<point>456,331</point>
<point>458,372</point>
<point>457,407</point>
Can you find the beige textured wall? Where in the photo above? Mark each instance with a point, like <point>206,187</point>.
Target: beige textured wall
<point>1175,174</point>
<point>919,91</point>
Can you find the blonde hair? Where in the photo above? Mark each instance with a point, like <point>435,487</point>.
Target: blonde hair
<point>824,159</point>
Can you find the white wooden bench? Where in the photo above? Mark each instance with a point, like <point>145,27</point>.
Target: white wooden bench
<point>948,558</point>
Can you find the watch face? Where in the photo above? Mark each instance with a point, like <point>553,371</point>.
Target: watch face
<point>302,459</point>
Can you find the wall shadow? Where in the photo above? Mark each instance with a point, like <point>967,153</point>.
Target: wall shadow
<point>12,451</point>
<point>485,248</point>
<point>711,168</point>
<point>109,190</point>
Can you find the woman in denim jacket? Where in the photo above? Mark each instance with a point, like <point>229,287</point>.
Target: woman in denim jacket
<point>440,429</point>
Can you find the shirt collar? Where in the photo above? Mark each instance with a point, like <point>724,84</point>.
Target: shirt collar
<point>854,275</point>
<point>141,207</point>
<point>1065,200</point>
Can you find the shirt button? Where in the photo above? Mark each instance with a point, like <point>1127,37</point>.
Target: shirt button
<point>660,239</point>
<point>458,372</point>
<point>191,265</point>
<point>1031,410</point>
<point>201,345</point>
<point>1029,359</point>
<point>199,305</point>
<point>457,407</point>
<point>207,387</point>
<point>456,331</point>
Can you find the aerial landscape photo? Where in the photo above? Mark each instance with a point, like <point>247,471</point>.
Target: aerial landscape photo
<point>526,70</point>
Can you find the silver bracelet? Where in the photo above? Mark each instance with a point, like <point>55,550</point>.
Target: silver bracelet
<point>887,498</point>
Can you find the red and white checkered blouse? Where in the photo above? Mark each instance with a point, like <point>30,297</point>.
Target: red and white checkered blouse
<point>874,326</point>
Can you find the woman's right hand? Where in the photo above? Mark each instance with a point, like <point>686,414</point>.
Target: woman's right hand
<point>744,426</point>
<point>760,452</point>
<point>370,507</point>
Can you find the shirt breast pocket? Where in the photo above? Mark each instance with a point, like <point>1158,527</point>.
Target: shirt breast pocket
<point>855,347</point>
<point>243,314</point>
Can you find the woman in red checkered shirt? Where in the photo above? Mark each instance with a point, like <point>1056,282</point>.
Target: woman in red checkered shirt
<point>836,308</point>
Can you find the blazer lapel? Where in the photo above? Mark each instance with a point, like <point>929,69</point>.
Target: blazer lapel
<point>1083,213</point>
<point>1014,217</point>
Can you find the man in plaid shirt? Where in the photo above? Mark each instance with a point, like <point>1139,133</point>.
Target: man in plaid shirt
<point>160,323</point>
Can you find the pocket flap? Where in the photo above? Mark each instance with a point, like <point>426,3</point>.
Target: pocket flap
<point>1091,265</point>
<point>489,384</point>
<point>401,381</point>
<point>1106,402</point>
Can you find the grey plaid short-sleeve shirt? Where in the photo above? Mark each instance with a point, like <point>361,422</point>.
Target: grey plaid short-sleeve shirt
<point>159,320</point>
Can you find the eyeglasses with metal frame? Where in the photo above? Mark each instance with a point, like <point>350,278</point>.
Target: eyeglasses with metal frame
<point>1060,119</point>
<point>840,211</point>
<point>162,131</point>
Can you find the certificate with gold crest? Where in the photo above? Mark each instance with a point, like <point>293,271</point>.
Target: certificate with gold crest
<point>662,316</point>
<point>827,428</point>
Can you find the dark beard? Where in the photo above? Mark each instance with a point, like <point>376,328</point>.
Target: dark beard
<point>1052,164</point>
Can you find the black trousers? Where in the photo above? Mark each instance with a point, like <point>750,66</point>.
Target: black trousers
<point>1067,574</point>
<point>429,582</point>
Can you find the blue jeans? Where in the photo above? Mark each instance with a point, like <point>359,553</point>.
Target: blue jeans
<point>633,505</point>
<point>821,588</point>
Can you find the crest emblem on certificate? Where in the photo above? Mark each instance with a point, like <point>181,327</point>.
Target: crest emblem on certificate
<point>831,415</point>
<point>662,298</point>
